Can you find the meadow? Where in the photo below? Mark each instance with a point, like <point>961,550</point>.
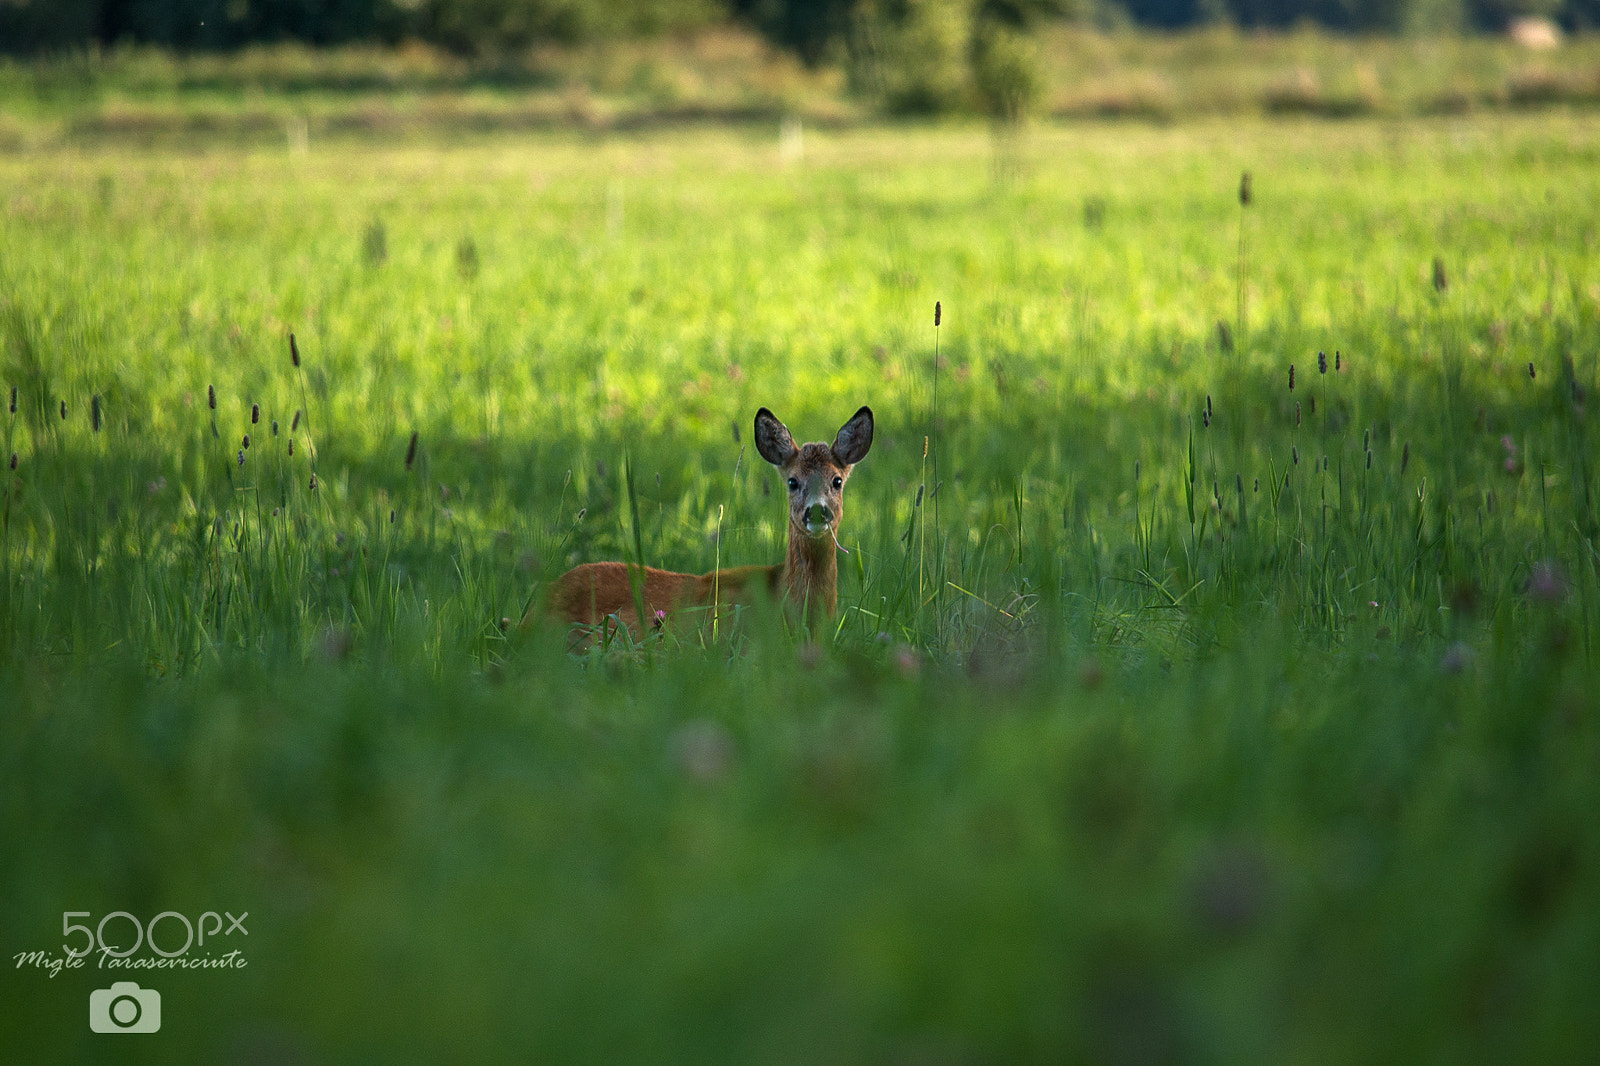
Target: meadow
<point>1214,674</point>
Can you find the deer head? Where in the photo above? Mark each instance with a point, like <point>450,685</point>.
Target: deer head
<point>814,473</point>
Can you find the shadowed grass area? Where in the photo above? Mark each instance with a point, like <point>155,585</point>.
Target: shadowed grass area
<point>764,861</point>
<point>1209,720</point>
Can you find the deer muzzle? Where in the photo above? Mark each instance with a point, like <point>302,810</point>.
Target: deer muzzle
<point>818,519</point>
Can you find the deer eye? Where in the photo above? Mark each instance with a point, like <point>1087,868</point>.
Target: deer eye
<point>838,482</point>
<point>794,484</point>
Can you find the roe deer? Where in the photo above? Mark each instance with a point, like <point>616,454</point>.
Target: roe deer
<point>809,575</point>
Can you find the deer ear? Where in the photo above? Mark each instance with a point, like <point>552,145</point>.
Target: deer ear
<point>773,440</point>
<point>855,437</point>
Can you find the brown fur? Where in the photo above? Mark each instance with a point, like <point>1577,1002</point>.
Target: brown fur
<point>807,578</point>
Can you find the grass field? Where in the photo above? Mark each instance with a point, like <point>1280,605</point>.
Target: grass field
<point>1193,718</point>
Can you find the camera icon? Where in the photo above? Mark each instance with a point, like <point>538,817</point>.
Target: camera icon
<point>124,1008</point>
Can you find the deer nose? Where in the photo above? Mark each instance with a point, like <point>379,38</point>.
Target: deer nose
<point>818,514</point>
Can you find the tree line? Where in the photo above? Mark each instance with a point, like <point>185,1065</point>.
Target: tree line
<point>817,30</point>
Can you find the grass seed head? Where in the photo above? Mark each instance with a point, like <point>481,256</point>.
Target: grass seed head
<point>291,445</point>
<point>411,450</point>
<point>467,258</point>
<point>1295,453</point>
<point>255,413</point>
<point>246,442</point>
<point>63,410</point>
<point>295,424</point>
<point>13,460</point>
<point>94,413</point>
<point>241,456</point>
<point>1245,192</point>
<point>14,394</point>
<point>375,243</point>
<point>1405,457</point>
<point>1338,361</point>
<point>1291,377</point>
<point>294,351</point>
<point>1322,362</point>
<point>937,313</point>
<point>1531,377</point>
<point>1440,281</point>
<point>313,482</point>
<point>1297,413</point>
<point>211,397</point>
<point>274,427</point>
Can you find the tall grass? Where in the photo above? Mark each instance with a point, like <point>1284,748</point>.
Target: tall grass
<point>1212,717</point>
<point>1368,483</point>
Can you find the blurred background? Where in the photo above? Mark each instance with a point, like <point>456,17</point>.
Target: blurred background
<point>818,30</point>
<point>826,59</point>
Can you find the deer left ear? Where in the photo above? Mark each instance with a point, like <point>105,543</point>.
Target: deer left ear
<point>773,440</point>
<point>854,439</point>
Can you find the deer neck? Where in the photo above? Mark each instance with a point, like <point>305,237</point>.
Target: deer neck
<point>811,572</point>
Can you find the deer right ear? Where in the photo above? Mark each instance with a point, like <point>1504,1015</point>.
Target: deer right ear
<point>855,437</point>
<point>773,440</point>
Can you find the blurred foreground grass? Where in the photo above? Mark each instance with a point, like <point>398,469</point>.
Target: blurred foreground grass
<point>1209,720</point>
